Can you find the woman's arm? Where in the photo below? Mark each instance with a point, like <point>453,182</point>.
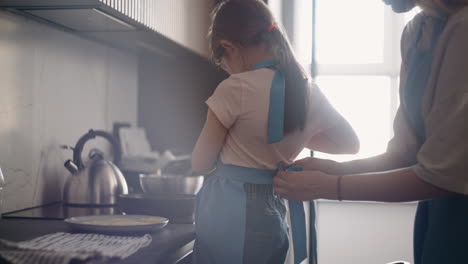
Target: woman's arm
<point>209,144</point>
<point>400,185</point>
<point>383,162</point>
<point>401,152</point>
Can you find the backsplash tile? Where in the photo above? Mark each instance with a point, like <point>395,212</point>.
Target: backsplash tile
<point>54,86</point>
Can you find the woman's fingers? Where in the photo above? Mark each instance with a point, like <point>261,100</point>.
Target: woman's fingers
<point>280,181</point>
<point>304,185</point>
<point>285,184</point>
<point>281,192</point>
<point>281,185</point>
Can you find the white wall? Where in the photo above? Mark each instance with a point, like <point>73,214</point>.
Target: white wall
<point>54,86</point>
<point>364,232</point>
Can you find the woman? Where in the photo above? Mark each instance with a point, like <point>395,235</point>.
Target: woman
<point>427,159</point>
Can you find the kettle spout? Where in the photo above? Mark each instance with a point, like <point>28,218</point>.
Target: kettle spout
<point>71,166</point>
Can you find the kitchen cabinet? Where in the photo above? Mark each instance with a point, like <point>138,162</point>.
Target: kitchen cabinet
<point>163,27</point>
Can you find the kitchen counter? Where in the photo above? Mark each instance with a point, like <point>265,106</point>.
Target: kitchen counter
<point>172,244</point>
<point>57,211</point>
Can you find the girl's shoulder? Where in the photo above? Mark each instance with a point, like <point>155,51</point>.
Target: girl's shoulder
<point>248,77</point>
<point>254,77</point>
<point>251,82</point>
<point>231,88</point>
<point>233,81</point>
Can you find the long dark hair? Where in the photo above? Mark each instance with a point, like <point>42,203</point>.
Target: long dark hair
<point>247,22</point>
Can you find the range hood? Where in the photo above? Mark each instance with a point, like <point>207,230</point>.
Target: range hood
<point>82,20</point>
<point>125,24</point>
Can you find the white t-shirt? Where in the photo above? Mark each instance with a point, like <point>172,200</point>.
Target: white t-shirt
<point>241,103</point>
<point>442,159</point>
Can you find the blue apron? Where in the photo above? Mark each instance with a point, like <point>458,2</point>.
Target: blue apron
<point>239,219</point>
<point>441,225</point>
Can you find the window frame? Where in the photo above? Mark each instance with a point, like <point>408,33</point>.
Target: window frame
<point>390,67</point>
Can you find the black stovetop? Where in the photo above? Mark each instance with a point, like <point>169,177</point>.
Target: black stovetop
<point>58,211</point>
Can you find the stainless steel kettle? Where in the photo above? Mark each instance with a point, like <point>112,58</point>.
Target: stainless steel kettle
<point>100,182</point>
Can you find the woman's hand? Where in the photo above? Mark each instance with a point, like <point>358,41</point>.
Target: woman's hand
<point>314,164</point>
<point>305,185</point>
<point>401,185</point>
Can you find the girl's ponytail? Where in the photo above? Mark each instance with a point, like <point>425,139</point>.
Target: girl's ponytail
<point>249,22</point>
<point>297,82</point>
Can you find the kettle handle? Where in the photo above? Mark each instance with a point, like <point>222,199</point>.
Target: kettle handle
<point>91,135</point>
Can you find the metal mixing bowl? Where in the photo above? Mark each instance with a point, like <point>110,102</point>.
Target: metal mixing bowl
<point>156,184</point>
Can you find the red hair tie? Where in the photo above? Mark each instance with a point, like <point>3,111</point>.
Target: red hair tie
<point>271,27</point>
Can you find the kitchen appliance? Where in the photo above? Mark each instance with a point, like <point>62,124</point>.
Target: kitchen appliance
<point>100,181</point>
<point>174,177</point>
<point>138,158</point>
<point>137,155</point>
<point>178,208</point>
<point>158,184</point>
<point>124,24</point>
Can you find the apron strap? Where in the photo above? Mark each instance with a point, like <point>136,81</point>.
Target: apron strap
<point>276,107</point>
<point>298,226</point>
<point>275,134</point>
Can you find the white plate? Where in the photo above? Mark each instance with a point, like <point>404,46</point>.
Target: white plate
<point>117,223</point>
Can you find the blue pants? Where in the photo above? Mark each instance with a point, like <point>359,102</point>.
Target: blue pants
<point>441,231</point>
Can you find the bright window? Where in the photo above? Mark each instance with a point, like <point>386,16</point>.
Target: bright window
<point>349,37</point>
<point>365,101</point>
<point>357,61</point>
<point>358,67</point>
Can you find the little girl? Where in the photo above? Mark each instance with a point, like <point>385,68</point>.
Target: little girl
<point>259,119</point>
